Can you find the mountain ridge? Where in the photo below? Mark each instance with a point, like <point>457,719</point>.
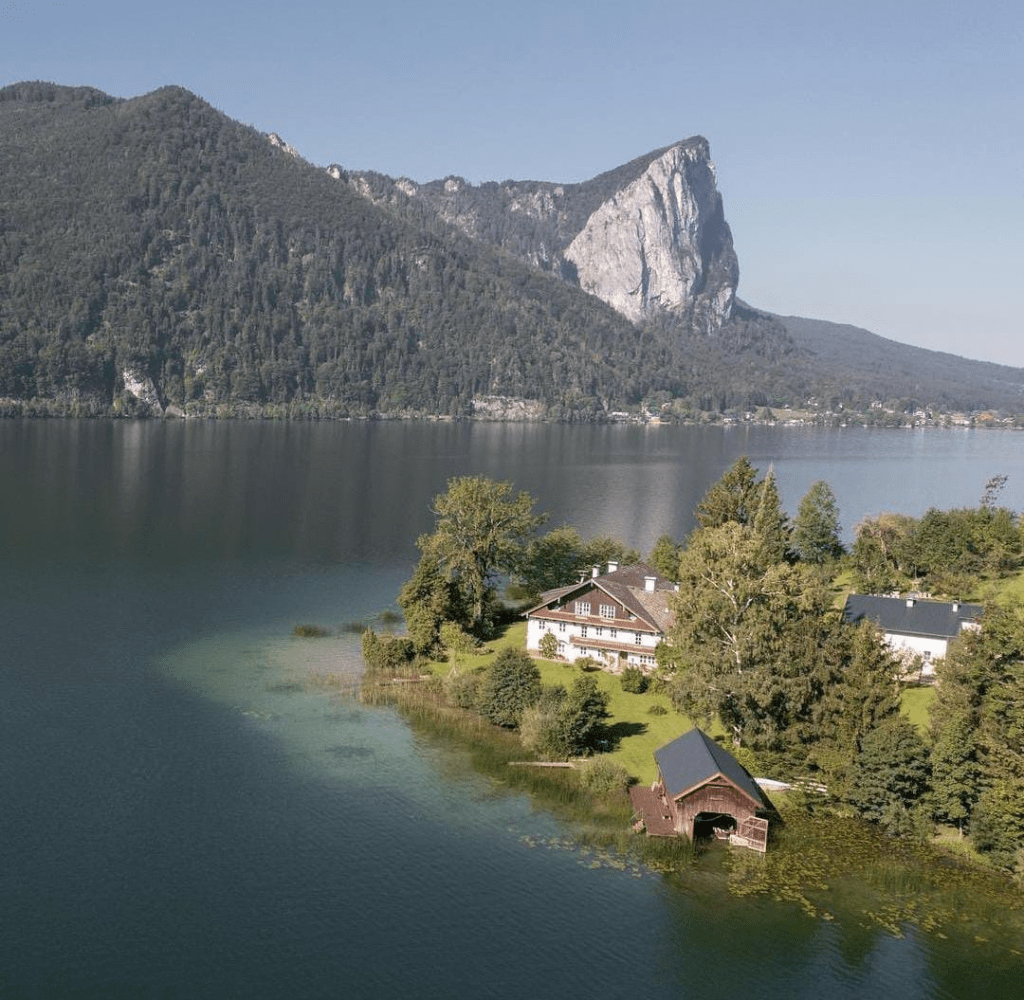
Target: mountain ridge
<point>157,256</point>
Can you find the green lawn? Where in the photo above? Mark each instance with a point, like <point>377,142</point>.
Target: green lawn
<point>914,704</point>
<point>1008,590</point>
<point>637,734</point>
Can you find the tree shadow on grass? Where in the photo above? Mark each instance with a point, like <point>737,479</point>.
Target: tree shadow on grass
<point>616,733</point>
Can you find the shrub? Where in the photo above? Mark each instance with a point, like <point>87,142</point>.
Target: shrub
<point>633,680</point>
<point>387,652</point>
<point>581,717</point>
<point>586,664</point>
<point>548,646</point>
<point>657,709</point>
<point>512,686</point>
<point>602,776</point>
<point>539,732</point>
<point>463,690</point>
<point>455,641</point>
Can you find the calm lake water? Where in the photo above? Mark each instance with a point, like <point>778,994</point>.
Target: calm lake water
<point>181,818</point>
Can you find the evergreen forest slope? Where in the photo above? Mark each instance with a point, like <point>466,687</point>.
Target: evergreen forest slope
<point>157,256</point>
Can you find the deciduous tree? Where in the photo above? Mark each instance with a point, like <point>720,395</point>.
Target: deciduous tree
<point>482,530</point>
<point>733,635</point>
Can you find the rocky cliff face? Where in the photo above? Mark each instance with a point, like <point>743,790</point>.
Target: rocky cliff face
<point>647,237</point>
<point>662,242</point>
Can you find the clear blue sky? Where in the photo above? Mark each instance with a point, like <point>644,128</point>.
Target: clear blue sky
<point>869,153</point>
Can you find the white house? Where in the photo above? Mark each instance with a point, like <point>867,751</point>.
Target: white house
<point>912,626</point>
<point>616,618</point>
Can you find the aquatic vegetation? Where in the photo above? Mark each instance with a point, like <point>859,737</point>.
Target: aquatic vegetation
<point>826,863</point>
<point>307,631</point>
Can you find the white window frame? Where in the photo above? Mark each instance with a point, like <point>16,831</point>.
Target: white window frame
<point>583,609</point>
<point>606,610</point>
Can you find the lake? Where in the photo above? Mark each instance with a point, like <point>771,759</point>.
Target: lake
<point>184,816</point>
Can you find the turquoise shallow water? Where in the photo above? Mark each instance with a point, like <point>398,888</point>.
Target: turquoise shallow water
<point>186,815</point>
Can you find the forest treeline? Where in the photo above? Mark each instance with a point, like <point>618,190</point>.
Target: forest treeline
<point>157,256</point>
<point>759,648</point>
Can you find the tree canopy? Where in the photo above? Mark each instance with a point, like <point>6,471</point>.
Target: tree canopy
<point>816,528</point>
<point>481,532</point>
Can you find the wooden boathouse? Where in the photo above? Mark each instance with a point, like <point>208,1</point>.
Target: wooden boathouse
<point>702,790</point>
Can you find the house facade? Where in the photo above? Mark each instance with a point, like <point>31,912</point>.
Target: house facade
<point>914,627</point>
<point>617,617</point>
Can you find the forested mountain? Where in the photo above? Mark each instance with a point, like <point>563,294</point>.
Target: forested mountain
<point>896,371</point>
<point>156,256</point>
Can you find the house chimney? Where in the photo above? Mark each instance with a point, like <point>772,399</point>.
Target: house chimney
<point>613,565</point>
<point>649,582</point>
<point>595,572</point>
<point>910,602</point>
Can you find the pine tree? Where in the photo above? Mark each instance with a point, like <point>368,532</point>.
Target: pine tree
<point>956,772</point>
<point>733,498</point>
<point>770,521</point>
<point>892,772</point>
<point>816,528</point>
<point>664,557</point>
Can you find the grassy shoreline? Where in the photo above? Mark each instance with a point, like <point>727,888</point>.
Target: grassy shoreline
<point>821,859</point>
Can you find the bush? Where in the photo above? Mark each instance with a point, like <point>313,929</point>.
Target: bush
<point>387,652</point>
<point>512,686</point>
<point>548,646</point>
<point>633,680</point>
<point>310,631</point>
<point>602,776</point>
<point>539,732</point>
<point>581,717</point>
<point>657,709</point>
<point>463,690</point>
<point>455,642</point>
<point>586,664</point>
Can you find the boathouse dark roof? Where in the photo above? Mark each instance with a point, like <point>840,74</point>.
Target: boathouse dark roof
<point>912,616</point>
<point>694,758</point>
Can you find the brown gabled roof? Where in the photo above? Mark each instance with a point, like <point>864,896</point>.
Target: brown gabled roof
<point>627,586</point>
<point>550,596</point>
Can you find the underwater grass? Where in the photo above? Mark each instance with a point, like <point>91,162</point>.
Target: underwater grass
<point>832,865</point>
